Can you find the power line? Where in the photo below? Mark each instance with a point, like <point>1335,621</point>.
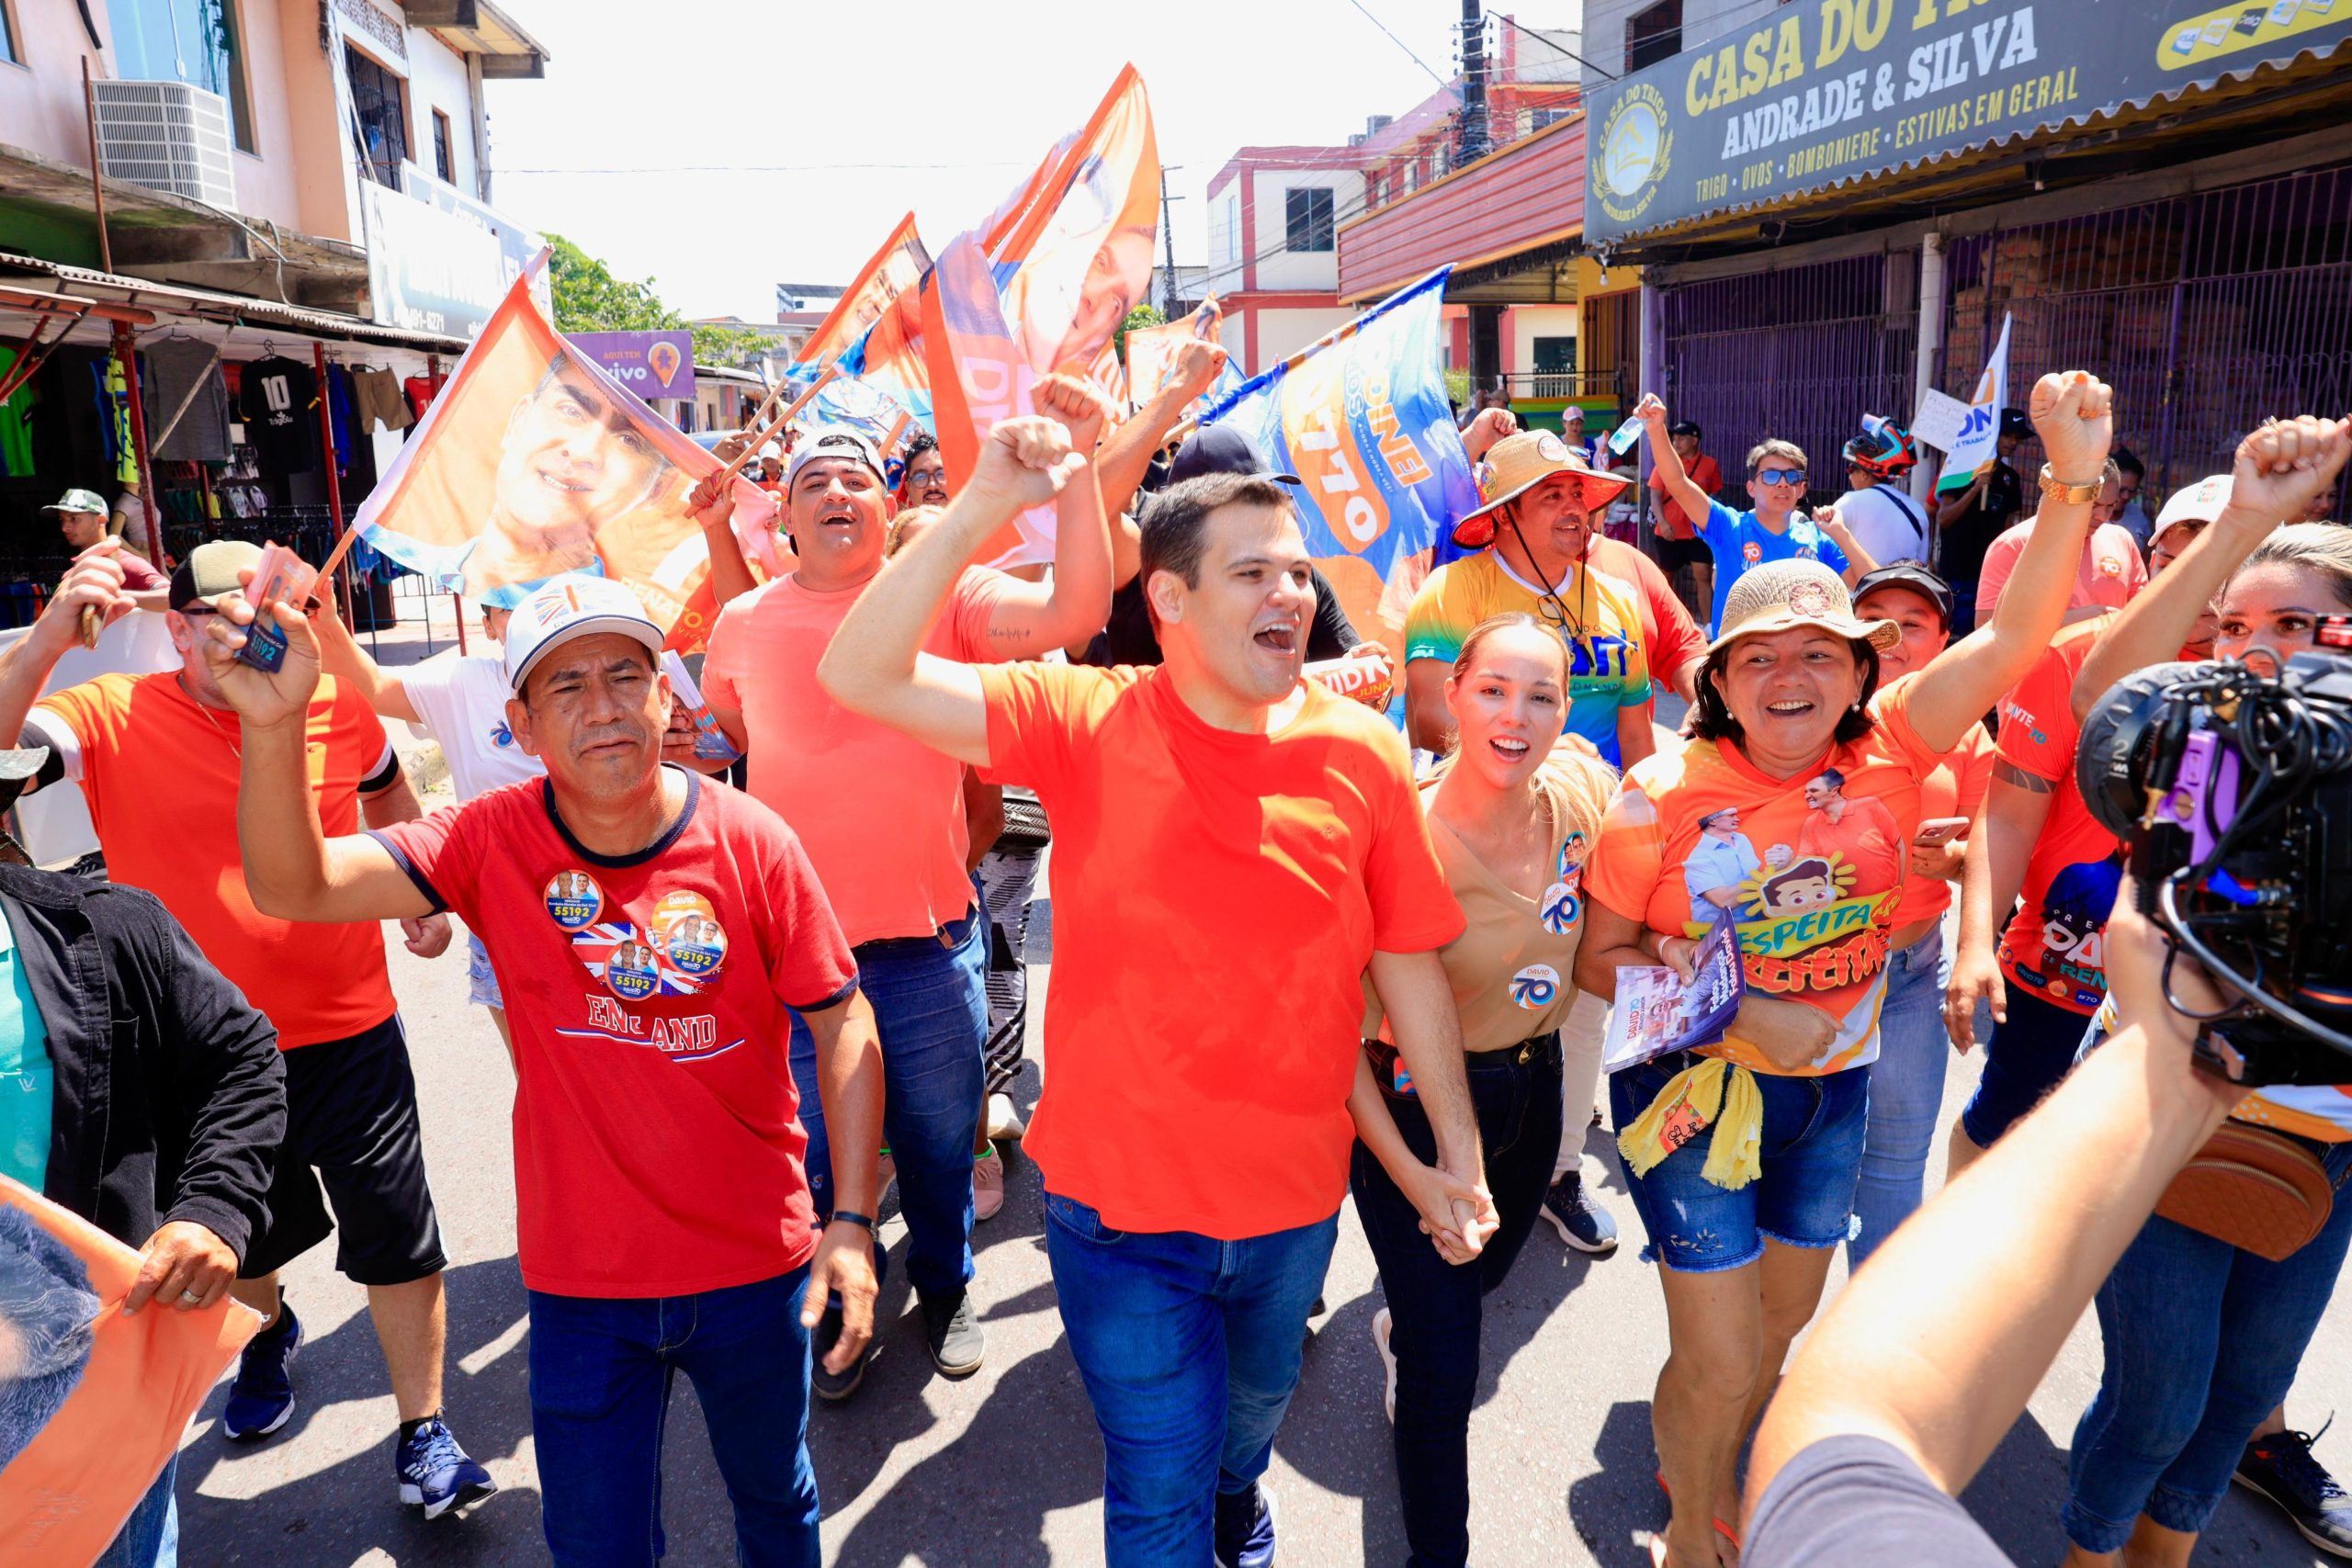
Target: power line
<point>1400,43</point>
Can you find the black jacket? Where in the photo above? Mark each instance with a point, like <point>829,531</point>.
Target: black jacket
<point>169,1090</point>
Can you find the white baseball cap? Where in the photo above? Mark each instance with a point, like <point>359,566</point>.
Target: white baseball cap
<point>2199,502</point>
<point>574,604</point>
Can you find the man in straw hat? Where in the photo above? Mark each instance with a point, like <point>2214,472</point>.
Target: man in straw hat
<point>1541,513</point>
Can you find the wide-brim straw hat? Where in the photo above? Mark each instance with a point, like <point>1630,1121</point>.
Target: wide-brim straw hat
<point>1516,464</point>
<point>1782,595</point>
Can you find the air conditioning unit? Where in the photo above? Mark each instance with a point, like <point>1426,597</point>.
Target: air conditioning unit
<point>167,136</point>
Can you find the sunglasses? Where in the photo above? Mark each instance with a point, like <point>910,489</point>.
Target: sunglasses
<point>1781,476</point>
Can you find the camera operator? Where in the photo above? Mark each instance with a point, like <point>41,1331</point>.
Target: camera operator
<point>2199,1334</point>
<point>2202,1338</point>
<point>1929,1355</point>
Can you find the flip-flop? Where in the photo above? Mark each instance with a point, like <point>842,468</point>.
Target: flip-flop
<point>1722,1528</point>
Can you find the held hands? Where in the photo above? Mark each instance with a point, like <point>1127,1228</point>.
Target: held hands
<point>2073,413</point>
<point>1456,1215</point>
<point>1976,974</point>
<point>184,1266</point>
<point>259,698</point>
<point>2281,466</point>
<point>1024,462</point>
<point>1077,404</point>
<point>844,1267</point>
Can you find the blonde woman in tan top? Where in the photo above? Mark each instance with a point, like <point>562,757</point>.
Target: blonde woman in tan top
<point>1512,812</point>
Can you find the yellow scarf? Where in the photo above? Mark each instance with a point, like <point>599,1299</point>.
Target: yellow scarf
<point>1693,1100</point>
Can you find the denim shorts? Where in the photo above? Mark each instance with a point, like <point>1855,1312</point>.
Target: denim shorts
<point>1811,1157</point>
<point>482,981</point>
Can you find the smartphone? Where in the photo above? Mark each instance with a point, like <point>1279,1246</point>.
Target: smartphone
<point>280,577</point>
<point>1938,830</point>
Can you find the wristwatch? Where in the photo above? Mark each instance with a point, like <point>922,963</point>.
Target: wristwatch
<point>2055,489</point>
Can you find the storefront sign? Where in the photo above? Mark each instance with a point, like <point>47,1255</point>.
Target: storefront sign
<point>439,261</point>
<point>651,365</point>
<point>1824,91</point>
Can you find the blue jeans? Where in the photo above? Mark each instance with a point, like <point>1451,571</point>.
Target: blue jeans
<point>1907,1093</point>
<point>2202,1342</point>
<point>932,1008</point>
<point>1190,1349</point>
<point>2024,1061</point>
<point>150,1537</point>
<point>601,1373</point>
<point>1810,1154</point>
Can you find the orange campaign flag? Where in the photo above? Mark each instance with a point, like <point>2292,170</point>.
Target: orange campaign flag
<point>1067,257</point>
<point>534,461</point>
<point>92,1403</point>
<point>895,269</point>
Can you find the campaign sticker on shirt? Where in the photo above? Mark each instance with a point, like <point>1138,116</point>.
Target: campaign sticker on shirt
<point>688,928</point>
<point>1559,909</point>
<point>1534,986</point>
<point>1752,553</point>
<point>1572,859</point>
<point>574,900</point>
<point>632,971</point>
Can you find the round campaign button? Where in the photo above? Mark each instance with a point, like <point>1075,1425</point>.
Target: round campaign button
<point>574,900</point>
<point>632,971</point>
<point>1534,986</point>
<point>1559,909</point>
<point>689,929</point>
<point>1571,858</point>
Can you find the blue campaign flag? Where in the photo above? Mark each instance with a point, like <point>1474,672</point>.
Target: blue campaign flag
<point>1362,418</point>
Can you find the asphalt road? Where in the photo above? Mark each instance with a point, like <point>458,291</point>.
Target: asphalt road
<point>1004,1468</point>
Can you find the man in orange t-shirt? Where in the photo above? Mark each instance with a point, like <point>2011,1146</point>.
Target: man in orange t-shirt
<point>1212,815</point>
<point>882,818</point>
<point>157,759</point>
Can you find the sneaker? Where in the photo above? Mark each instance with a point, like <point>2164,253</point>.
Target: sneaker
<point>988,1185</point>
<point>435,1474</point>
<point>952,1332</point>
<point>1004,1121</point>
<point>2281,1468</point>
<point>1381,1325</point>
<point>262,1399</point>
<point>833,1387</point>
<point>1245,1528</point>
<point>1582,1223</point>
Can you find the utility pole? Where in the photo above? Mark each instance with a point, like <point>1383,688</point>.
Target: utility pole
<point>1471,139</point>
<point>1168,231</point>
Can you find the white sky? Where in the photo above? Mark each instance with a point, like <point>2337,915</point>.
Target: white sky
<point>744,105</point>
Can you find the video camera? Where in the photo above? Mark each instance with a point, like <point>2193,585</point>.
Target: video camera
<point>2231,787</point>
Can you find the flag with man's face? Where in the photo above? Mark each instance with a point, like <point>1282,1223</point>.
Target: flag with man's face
<point>533,461</point>
<point>897,268</point>
<point>1066,257</point>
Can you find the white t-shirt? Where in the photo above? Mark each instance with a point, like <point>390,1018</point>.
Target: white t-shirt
<point>1887,524</point>
<point>463,703</point>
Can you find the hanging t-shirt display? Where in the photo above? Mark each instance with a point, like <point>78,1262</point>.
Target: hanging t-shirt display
<point>277,400</point>
<point>173,367</point>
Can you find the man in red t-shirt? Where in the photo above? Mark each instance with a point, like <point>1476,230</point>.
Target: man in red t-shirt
<point>650,933</point>
<point>156,759</point>
<point>1675,537</point>
<point>1214,815</point>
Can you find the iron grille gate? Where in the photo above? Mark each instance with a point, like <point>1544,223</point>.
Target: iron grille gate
<point>2206,312</point>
